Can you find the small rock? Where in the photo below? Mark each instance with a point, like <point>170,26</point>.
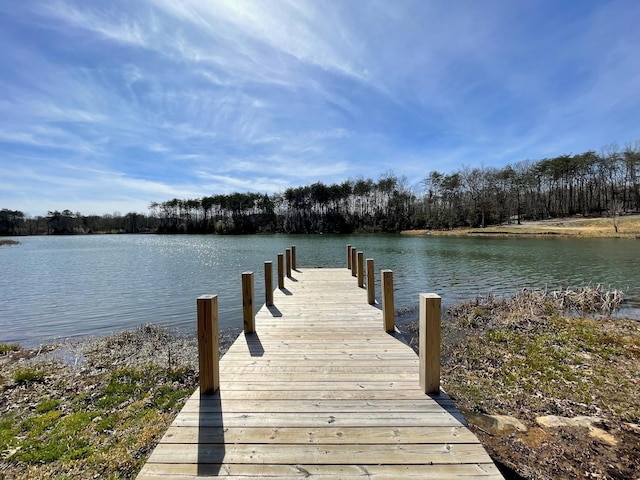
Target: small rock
<point>603,436</point>
<point>553,421</point>
<point>496,424</point>
<point>507,422</point>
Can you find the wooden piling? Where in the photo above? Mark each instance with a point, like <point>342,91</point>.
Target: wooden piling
<point>429,343</point>
<point>293,257</point>
<point>281,271</point>
<point>388,308</point>
<point>349,257</point>
<point>354,265</point>
<point>248,315</point>
<point>288,261</point>
<point>371,282</point>
<point>360,269</point>
<point>208,356</point>
<point>268,283</point>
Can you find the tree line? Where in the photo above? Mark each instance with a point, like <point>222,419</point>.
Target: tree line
<point>15,222</point>
<point>587,184</point>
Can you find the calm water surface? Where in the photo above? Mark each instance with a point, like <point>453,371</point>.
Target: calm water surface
<point>54,288</point>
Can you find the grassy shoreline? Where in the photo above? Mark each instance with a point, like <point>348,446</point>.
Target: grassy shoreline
<point>628,227</point>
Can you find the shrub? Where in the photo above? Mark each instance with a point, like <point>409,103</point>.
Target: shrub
<point>8,348</point>
<point>28,375</point>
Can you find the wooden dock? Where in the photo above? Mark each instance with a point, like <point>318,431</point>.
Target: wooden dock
<point>319,391</point>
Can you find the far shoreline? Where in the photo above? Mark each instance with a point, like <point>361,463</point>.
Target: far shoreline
<point>574,227</point>
<point>628,226</point>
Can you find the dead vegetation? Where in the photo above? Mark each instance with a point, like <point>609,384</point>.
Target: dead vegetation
<point>536,303</point>
<point>543,355</point>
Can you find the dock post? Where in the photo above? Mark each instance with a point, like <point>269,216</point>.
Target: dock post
<point>248,316</point>
<point>360,269</point>
<point>268,283</point>
<point>293,257</point>
<point>388,308</point>
<point>288,261</point>
<point>371,282</point>
<point>281,271</point>
<point>354,266</point>
<point>430,311</point>
<point>349,257</point>
<point>208,356</point>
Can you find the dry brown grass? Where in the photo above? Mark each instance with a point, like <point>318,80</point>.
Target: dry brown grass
<point>628,227</point>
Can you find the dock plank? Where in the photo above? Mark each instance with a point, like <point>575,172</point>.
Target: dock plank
<point>187,471</point>
<point>327,436</point>
<point>319,391</point>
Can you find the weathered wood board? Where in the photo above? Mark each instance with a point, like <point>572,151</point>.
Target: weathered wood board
<point>319,391</point>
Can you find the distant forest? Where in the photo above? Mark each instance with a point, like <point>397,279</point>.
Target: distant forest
<point>587,184</point>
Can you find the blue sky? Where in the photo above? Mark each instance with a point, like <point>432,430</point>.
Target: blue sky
<point>106,106</point>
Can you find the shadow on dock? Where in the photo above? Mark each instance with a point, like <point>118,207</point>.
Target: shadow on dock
<point>448,404</point>
<point>254,344</point>
<point>211,444</point>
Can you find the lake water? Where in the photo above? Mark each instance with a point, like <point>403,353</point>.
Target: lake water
<point>54,288</point>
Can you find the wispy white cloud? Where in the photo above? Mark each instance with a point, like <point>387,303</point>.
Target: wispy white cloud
<point>296,29</point>
<point>228,184</point>
<point>45,137</point>
<point>103,21</point>
<point>75,186</point>
<point>158,148</point>
<point>50,112</point>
